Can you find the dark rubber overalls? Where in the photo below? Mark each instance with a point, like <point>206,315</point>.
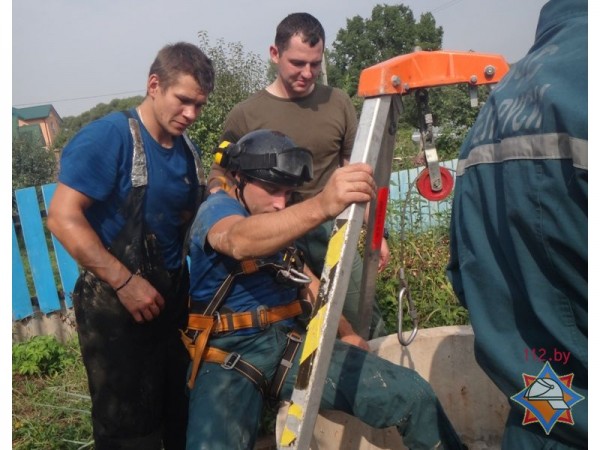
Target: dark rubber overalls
<point>136,372</point>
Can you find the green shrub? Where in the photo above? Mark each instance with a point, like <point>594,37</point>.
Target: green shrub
<point>42,355</point>
<point>53,412</point>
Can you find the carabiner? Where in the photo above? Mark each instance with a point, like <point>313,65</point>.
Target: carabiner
<point>294,276</point>
<point>405,291</point>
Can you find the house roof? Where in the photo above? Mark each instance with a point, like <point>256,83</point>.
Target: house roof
<point>34,112</point>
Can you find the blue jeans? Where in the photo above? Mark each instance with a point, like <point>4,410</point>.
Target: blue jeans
<point>225,407</point>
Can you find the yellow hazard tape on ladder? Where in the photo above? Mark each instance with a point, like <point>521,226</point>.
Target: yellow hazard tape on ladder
<point>313,334</point>
<point>288,436</point>
<point>315,326</point>
<point>334,249</point>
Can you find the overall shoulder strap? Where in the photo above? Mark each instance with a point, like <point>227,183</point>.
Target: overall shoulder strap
<point>139,172</point>
<point>200,174</point>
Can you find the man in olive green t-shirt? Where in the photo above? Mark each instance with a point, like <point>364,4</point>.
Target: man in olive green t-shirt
<point>317,117</point>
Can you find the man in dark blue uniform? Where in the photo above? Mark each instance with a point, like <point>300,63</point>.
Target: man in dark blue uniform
<point>519,253</point>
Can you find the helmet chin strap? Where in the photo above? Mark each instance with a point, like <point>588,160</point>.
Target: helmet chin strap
<point>239,192</point>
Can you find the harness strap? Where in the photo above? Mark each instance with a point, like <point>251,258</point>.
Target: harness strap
<point>247,267</point>
<point>250,266</point>
<point>234,361</point>
<point>294,339</point>
<point>196,345</point>
<point>261,318</point>
<point>200,327</point>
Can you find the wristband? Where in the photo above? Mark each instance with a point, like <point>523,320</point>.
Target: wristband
<point>124,284</point>
<point>386,233</point>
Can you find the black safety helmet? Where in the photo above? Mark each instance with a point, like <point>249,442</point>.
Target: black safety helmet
<point>269,156</point>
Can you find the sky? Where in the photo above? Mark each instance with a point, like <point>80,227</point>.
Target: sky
<point>75,54</point>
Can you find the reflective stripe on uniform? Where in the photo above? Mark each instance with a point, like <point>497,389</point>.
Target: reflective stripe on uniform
<point>538,146</point>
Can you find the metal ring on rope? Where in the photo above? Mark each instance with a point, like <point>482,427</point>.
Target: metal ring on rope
<point>405,292</point>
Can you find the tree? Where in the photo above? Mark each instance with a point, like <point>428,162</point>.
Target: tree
<point>72,124</point>
<point>391,31</point>
<point>32,164</point>
<point>238,74</point>
<point>452,112</point>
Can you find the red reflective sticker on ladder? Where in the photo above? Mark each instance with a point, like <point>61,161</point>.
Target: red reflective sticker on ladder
<point>380,210</point>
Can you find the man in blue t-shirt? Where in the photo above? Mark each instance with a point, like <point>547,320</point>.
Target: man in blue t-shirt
<point>246,283</point>
<point>127,190</point>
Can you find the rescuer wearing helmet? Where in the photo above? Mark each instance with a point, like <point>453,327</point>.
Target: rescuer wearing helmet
<point>246,286</point>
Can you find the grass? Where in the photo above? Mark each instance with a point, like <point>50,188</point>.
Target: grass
<point>51,408</point>
<point>51,411</point>
<point>423,256</point>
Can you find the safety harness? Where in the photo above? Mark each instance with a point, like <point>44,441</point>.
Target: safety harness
<point>207,321</point>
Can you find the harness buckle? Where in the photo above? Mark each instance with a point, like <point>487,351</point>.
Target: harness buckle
<point>262,317</point>
<point>294,336</point>
<point>193,336</point>
<point>231,360</point>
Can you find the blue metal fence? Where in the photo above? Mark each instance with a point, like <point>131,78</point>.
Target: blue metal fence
<point>42,280</point>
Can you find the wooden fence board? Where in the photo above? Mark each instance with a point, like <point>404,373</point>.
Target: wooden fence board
<point>67,267</point>
<point>37,250</point>
<point>21,299</point>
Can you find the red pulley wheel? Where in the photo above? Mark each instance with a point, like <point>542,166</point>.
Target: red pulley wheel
<point>424,185</point>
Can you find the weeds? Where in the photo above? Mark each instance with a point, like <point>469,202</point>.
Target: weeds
<point>419,247</point>
<point>51,405</point>
<point>42,355</point>
<point>423,257</point>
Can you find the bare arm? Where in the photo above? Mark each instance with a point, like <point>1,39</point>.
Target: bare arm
<point>265,234</point>
<point>66,221</point>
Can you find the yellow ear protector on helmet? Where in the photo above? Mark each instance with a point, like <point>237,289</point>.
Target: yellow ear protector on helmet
<point>222,153</point>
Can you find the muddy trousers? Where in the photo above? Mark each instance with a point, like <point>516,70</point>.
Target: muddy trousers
<point>136,372</point>
<point>225,407</point>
